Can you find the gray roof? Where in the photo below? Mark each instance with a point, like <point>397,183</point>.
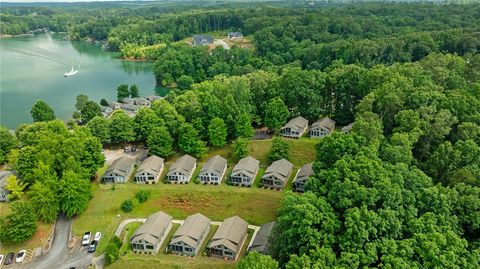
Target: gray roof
<point>184,165</point>
<point>305,172</point>
<point>215,165</point>
<point>348,128</point>
<point>280,169</point>
<point>152,165</point>
<point>191,230</point>
<point>129,107</point>
<point>325,123</point>
<point>247,166</point>
<point>297,123</point>
<point>202,39</point>
<point>260,243</point>
<point>121,166</point>
<point>230,234</point>
<point>153,228</point>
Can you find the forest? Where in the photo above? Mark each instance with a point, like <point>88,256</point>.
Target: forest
<point>401,190</point>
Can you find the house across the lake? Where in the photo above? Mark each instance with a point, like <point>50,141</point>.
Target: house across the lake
<point>322,128</point>
<point>228,240</point>
<point>295,127</point>
<point>232,35</point>
<point>213,170</point>
<point>149,237</point>
<point>202,40</point>
<point>150,170</point>
<point>182,169</point>
<point>188,239</point>
<point>261,243</point>
<point>302,176</point>
<point>119,171</point>
<point>245,171</point>
<point>347,128</point>
<point>277,174</point>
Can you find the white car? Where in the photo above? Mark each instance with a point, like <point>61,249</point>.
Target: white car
<point>98,235</point>
<point>20,256</point>
<point>86,239</point>
<point>1,260</point>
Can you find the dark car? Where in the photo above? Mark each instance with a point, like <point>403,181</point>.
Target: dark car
<point>93,246</point>
<point>134,148</point>
<point>9,258</point>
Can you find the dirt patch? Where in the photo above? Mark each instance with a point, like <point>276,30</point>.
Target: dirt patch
<point>186,202</point>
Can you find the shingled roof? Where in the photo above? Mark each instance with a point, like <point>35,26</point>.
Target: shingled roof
<point>121,166</point>
<point>347,128</point>
<point>297,123</point>
<point>280,169</point>
<point>247,166</point>
<point>305,172</point>
<point>191,230</point>
<point>325,123</point>
<point>215,165</point>
<point>153,228</point>
<point>184,165</point>
<point>151,165</point>
<point>260,243</point>
<point>230,234</point>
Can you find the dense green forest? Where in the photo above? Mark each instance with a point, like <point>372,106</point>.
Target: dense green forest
<point>401,190</point>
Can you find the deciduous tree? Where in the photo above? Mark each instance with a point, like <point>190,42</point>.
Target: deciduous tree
<point>41,111</point>
<point>160,142</point>
<point>217,132</point>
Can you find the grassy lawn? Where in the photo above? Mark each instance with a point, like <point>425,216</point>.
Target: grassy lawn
<point>302,150</point>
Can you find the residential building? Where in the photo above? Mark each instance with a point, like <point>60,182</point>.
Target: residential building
<point>302,176</point>
<point>119,171</point>
<point>322,128</point>
<point>261,243</point>
<point>277,174</point>
<point>347,128</point>
<point>228,240</point>
<point>150,170</point>
<point>152,98</point>
<point>149,237</point>
<point>232,35</point>
<point>182,169</point>
<point>295,127</point>
<point>213,170</point>
<point>245,171</point>
<point>202,40</point>
<point>188,239</point>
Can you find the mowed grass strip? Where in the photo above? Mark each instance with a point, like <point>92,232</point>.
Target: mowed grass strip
<point>255,205</point>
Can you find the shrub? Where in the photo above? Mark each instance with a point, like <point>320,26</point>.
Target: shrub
<point>111,253</point>
<point>280,149</point>
<point>127,206</point>
<point>142,196</point>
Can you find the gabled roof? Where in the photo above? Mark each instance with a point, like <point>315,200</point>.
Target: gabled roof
<point>199,39</point>
<point>191,230</point>
<point>280,169</point>
<point>348,128</point>
<point>121,166</point>
<point>260,243</point>
<point>297,123</point>
<point>305,172</point>
<point>184,165</point>
<point>230,234</point>
<point>215,165</point>
<point>152,229</point>
<point>151,165</point>
<point>325,123</point>
<point>247,166</point>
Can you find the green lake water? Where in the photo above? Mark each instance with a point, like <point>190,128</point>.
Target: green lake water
<point>32,68</point>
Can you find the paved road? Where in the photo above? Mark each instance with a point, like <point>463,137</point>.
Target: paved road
<point>58,257</point>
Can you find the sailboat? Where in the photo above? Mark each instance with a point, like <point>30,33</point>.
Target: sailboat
<point>71,73</point>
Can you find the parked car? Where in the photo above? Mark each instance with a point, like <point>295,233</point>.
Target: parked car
<point>93,246</point>
<point>126,149</point>
<point>98,235</point>
<point>1,260</point>
<point>134,148</point>
<point>86,239</point>
<point>9,258</point>
<point>20,256</point>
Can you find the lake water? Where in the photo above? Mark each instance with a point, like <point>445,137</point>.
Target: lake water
<point>32,68</point>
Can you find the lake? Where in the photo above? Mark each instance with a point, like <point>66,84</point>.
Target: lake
<point>32,68</point>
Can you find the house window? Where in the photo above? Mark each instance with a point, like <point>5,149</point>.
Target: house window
<point>188,249</point>
<point>278,183</point>
<point>229,253</point>
<point>177,248</point>
<point>215,251</point>
<point>149,246</point>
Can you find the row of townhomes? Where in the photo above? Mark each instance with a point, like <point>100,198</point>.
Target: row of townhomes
<point>213,171</point>
<point>129,105</point>
<point>298,126</point>
<point>188,239</point>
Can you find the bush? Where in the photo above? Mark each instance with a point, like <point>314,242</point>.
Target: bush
<point>116,241</point>
<point>142,196</point>
<point>111,253</point>
<point>280,150</point>
<point>240,148</point>
<point>127,206</point>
